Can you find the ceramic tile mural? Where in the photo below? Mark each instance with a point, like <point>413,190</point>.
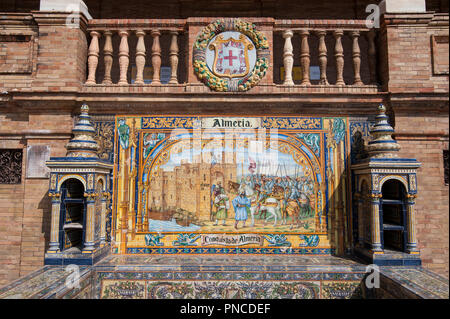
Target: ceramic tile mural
<point>226,185</point>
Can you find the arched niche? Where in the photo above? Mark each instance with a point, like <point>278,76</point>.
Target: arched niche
<point>393,208</point>
<point>64,178</point>
<point>400,179</point>
<point>73,212</point>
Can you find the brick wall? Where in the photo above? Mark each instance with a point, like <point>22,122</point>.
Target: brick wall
<point>40,53</point>
<point>25,208</point>
<point>11,216</point>
<point>408,55</point>
<point>61,58</point>
<point>409,74</point>
<point>424,137</point>
<point>319,9</point>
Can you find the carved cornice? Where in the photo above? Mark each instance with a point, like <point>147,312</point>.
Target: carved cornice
<point>17,21</point>
<point>136,24</point>
<point>388,19</point>
<point>54,18</point>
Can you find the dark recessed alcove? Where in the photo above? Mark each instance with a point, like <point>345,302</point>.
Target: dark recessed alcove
<point>73,207</point>
<point>393,215</point>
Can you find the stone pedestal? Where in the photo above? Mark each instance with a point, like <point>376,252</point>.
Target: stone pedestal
<point>65,6</point>
<point>402,6</point>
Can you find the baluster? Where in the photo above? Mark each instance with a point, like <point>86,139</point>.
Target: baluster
<point>156,57</point>
<point>339,55</point>
<point>305,57</point>
<point>123,57</point>
<point>356,58</point>
<point>173,52</point>
<point>140,57</point>
<point>93,58</point>
<point>288,57</point>
<point>372,56</point>
<point>108,57</point>
<point>322,57</point>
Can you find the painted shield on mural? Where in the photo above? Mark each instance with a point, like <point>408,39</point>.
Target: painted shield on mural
<point>231,56</point>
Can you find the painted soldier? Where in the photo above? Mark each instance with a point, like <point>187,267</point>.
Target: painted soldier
<point>269,185</point>
<point>222,205</point>
<point>241,205</point>
<point>295,189</point>
<point>263,194</point>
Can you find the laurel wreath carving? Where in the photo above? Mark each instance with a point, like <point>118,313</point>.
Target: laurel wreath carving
<point>224,84</point>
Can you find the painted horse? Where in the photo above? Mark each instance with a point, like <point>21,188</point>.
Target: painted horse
<point>268,208</point>
<point>290,208</point>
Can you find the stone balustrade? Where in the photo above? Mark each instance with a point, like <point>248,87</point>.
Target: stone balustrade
<point>116,45</point>
<point>325,53</point>
<point>326,35</point>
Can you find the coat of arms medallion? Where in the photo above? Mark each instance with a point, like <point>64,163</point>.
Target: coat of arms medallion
<point>231,55</point>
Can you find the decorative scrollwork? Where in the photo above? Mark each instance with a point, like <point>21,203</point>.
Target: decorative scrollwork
<point>104,136</point>
<point>11,166</point>
<point>292,123</point>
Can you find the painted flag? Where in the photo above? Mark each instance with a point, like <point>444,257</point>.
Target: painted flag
<point>252,165</point>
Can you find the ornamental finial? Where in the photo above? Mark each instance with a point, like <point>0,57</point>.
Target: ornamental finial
<point>83,143</point>
<point>382,145</point>
<point>84,108</point>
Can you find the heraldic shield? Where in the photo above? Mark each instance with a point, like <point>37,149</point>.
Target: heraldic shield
<point>231,57</point>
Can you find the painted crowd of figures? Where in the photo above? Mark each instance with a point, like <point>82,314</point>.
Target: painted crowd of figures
<point>266,197</point>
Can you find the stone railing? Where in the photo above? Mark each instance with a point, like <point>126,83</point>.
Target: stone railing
<point>147,45</point>
<point>139,29</point>
<point>320,29</point>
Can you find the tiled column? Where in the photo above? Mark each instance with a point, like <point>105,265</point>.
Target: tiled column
<point>375,221</point>
<point>54,232</point>
<point>105,201</point>
<point>411,246</point>
<point>93,58</point>
<point>288,57</point>
<point>305,57</point>
<point>108,57</point>
<point>145,223</point>
<point>123,57</point>
<point>173,52</point>
<point>139,209</point>
<point>90,219</point>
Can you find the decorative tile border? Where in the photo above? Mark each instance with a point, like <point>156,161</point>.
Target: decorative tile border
<point>221,276</point>
<point>230,251</point>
